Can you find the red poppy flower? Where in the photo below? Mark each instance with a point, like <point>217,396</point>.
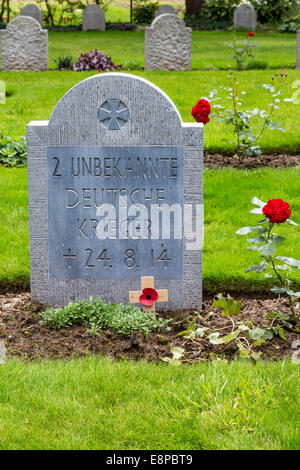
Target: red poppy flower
<point>149,296</point>
<point>251,34</point>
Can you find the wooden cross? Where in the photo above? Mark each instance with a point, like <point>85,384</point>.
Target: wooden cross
<point>148,281</point>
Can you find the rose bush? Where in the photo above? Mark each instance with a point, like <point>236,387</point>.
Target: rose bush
<point>265,242</point>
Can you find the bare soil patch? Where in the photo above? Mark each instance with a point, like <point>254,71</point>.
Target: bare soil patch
<point>25,337</point>
<point>271,161</point>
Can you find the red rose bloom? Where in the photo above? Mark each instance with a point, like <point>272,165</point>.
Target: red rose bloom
<point>277,211</point>
<point>251,34</point>
<point>201,111</point>
<point>149,296</point>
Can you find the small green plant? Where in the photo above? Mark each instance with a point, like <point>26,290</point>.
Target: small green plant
<point>96,314</point>
<point>132,66</point>
<point>265,243</point>
<point>242,53</point>
<point>64,62</point>
<point>257,65</point>
<point>177,356</point>
<point>243,334</point>
<point>13,151</point>
<point>246,142</point>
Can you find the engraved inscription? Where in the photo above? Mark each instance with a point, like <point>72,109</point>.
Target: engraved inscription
<point>115,212</point>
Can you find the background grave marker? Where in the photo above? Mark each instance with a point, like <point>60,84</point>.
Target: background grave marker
<point>168,44</point>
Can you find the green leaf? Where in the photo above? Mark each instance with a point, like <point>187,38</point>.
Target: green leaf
<point>257,211</point>
<point>290,261</point>
<point>256,356</point>
<point>278,290</point>
<point>257,267</point>
<point>257,333</point>
<point>263,221</point>
<point>268,334</point>
<point>294,294</point>
<point>262,231</point>
<point>229,306</point>
<point>177,352</point>
<point>215,339</point>
<point>267,250</point>
<point>246,230</point>
<point>281,332</point>
<point>257,240</point>
<point>276,240</point>
<point>291,222</point>
<point>259,342</point>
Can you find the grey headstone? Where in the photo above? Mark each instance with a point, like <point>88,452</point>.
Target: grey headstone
<point>24,45</point>
<point>168,44</point>
<point>165,9</point>
<point>33,11</point>
<point>111,137</point>
<point>93,18</point>
<point>298,51</point>
<point>245,16</point>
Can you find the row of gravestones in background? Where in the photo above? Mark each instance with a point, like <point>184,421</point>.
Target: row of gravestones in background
<point>94,18</point>
<point>24,45</point>
<point>167,42</point>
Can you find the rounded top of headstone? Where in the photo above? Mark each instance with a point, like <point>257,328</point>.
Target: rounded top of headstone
<point>33,11</point>
<point>167,18</point>
<point>165,9</point>
<point>246,5</point>
<point>113,107</point>
<point>20,22</point>
<point>93,9</point>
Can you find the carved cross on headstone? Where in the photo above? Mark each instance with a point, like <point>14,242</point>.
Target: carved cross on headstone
<point>147,282</point>
<point>113,114</point>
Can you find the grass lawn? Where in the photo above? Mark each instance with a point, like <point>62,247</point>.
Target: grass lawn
<point>31,98</point>
<point>97,404</point>
<point>209,49</point>
<point>227,196</point>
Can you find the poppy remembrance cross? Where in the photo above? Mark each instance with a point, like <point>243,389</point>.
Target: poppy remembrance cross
<point>148,295</point>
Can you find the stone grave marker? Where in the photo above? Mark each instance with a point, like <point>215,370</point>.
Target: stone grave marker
<point>115,194</point>
<point>24,45</point>
<point>168,44</point>
<point>93,19</point>
<point>33,11</point>
<point>245,16</point>
<point>165,9</point>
